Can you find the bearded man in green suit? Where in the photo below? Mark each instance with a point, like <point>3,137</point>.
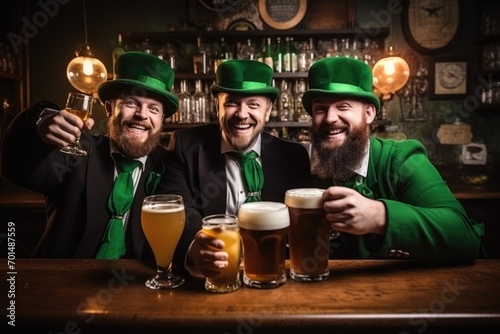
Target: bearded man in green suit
<point>384,197</point>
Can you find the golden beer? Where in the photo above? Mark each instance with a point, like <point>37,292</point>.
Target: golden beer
<point>81,114</point>
<point>163,224</point>
<point>264,230</point>
<point>308,235</point>
<point>225,227</point>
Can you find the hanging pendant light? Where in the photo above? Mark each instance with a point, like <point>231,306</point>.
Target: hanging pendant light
<point>390,73</point>
<point>86,72</point>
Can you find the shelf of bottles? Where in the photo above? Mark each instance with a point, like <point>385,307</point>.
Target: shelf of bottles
<point>195,56</point>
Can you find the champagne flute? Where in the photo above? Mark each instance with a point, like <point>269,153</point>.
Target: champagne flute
<point>79,105</point>
<point>163,218</point>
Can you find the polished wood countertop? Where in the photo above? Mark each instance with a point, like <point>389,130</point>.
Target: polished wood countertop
<point>361,296</point>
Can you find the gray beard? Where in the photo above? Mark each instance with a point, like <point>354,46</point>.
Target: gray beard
<point>339,162</point>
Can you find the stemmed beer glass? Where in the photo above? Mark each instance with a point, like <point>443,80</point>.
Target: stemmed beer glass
<point>78,104</point>
<point>163,218</point>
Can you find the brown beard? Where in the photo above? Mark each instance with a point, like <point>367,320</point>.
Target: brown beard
<point>129,147</point>
<point>338,162</point>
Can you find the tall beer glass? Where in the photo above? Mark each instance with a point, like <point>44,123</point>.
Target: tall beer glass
<point>264,230</point>
<point>225,227</point>
<point>163,219</point>
<point>309,235</point>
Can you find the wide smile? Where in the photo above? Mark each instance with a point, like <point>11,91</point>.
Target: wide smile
<point>333,133</point>
<point>137,127</point>
<point>241,126</point>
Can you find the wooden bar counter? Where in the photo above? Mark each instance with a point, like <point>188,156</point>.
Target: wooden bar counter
<point>361,296</point>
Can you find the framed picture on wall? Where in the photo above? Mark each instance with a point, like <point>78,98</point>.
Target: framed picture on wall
<point>447,78</point>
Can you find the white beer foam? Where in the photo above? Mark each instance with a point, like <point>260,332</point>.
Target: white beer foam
<point>263,216</point>
<point>162,208</point>
<point>304,198</point>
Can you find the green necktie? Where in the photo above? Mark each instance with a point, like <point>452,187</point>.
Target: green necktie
<point>252,171</point>
<point>119,201</point>
<point>359,185</point>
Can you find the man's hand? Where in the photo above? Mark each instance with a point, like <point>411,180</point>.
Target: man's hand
<point>61,128</point>
<point>206,257</point>
<point>349,211</point>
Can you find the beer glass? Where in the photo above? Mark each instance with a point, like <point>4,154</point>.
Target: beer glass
<point>264,230</point>
<point>309,235</point>
<point>163,219</point>
<point>225,227</point>
<point>80,105</point>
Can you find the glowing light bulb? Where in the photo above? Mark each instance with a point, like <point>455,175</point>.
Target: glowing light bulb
<point>390,74</point>
<point>389,67</point>
<point>85,72</point>
<point>88,67</point>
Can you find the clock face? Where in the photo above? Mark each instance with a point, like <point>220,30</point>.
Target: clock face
<point>450,77</point>
<point>430,26</point>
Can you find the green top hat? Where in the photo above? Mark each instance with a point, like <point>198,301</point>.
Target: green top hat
<point>340,76</point>
<point>245,77</point>
<point>142,74</point>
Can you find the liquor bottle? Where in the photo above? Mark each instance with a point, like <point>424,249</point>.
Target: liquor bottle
<point>336,48</point>
<point>313,53</point>
<point>268,55</point>
<point>247,51</point>
<point>278,56</point>
<point>303,57</point>
<point>168,54</point>
<point>222,54</point>
<point>285,103</point>
<point>301,114</point>
<point>259,54</point>
<point>293,56</point>
<point>199,104</point>
<point>184,111</point>
<point>200,58</point>
<point>290,56</point>
<point>117,51</point>
<point>345,49</point>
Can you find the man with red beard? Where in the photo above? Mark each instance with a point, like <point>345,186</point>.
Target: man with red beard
<point>205,171</point>
<point>78,188</point>
<point>384,197</point>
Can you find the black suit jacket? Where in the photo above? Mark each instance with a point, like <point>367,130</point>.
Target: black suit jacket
<point>76,189</point>
<point>197,170</point>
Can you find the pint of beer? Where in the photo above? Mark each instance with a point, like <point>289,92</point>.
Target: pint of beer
<point>264,230</point>
<point>308,235</point>
<point>225,227</point>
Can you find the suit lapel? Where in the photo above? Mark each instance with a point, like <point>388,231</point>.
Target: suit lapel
<point>212,171</point>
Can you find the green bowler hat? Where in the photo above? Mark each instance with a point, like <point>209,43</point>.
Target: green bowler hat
<point>142,74</point>
<point>340,76</point>
<point>245,77</point>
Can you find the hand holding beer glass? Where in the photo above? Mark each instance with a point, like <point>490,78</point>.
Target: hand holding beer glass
<point>163,218</point>
<point>264,230</point>
<point>225,227</point>
<point>309,235</point>
<point>79,105</point>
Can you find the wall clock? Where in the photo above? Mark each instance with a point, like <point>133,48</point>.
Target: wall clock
<point>431,26</point>
<point>447,78</point>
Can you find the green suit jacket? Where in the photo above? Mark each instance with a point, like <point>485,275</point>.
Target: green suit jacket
<point>424,219</point>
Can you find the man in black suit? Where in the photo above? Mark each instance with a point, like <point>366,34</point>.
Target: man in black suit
<point>204,170</point>
<point>77,188</point>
